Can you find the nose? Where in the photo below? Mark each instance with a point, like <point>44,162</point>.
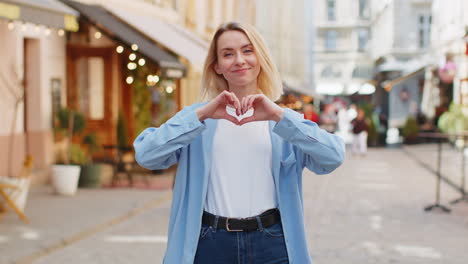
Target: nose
<point>240,60</point>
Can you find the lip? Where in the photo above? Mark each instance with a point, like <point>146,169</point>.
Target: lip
<point>241,70</point>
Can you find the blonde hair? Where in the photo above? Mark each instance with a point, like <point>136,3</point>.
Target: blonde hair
<point>268,80</point>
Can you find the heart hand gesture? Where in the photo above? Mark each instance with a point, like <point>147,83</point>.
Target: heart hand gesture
<point>263,108</point>
<point>216,109</point>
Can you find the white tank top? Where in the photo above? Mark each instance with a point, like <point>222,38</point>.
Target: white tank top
<point>241,183</point>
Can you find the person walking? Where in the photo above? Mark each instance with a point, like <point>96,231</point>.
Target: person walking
<point>238,190</point>
<point>360,131</point>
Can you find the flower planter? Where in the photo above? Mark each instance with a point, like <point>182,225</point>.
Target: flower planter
<point>65,178</point>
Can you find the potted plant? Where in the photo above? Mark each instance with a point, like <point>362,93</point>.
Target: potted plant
<point>410,131</point>
<point>66,172</point>
<point>91,171</point>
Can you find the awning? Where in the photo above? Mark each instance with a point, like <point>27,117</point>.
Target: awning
<point>116,29</point>
<point>175,38</point>
<point>50,13</point>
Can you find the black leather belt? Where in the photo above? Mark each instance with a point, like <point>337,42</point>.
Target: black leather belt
<point>267,218</point>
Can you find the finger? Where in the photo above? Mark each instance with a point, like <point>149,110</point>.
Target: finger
<point>244,103</point>
<point>231,119</point>
<point>237,104</point>
<point>251,102</point>
<point>228,99</point>
<point>247,120</point>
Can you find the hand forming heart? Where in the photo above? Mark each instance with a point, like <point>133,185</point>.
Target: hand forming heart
<point>256,107</point>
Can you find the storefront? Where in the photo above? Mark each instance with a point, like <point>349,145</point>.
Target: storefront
<point>33,41</point>
<point>115,72</point>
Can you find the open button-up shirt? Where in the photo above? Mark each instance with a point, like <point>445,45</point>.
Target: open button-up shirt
<point>296,143</point>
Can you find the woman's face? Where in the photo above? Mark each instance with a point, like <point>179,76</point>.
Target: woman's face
<point>237,61</point>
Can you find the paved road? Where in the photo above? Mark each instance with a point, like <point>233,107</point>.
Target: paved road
<point>368,211</point>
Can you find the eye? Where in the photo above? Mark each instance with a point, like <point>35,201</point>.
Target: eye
<point>227,54</point>
<point>248,50</point>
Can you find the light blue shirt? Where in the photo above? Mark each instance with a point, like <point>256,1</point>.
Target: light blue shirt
<point>296,143</point>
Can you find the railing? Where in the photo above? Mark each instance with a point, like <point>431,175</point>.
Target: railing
<point>440,138</point>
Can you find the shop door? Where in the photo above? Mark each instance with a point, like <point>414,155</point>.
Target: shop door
<point>89,73</point>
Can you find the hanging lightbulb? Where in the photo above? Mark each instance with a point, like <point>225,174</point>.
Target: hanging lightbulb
<point>141,62</point>
<point>61,32</point>
<point>134,47</point>
<point>97,35</point>
<point>119,49</point>
<point>169,89</point>
<point>132,56</point>
<point>131,65</point>
<point>129,80</point>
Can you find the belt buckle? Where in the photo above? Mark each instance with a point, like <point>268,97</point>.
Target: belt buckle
<point>229,229</point>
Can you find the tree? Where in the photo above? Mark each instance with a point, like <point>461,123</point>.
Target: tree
<point>13,82</point>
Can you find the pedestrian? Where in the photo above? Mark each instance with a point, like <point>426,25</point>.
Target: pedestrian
<point>360,131</point>
<point>238,189</point>
<point>328,118</point>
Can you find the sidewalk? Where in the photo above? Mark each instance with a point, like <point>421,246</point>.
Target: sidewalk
<point>370,210</point>
<point>57,221</point>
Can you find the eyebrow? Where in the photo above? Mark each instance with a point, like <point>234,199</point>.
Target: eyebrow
<point>245,46</point>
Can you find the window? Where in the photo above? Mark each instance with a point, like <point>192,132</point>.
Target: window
<point>424,30</point>
<point>330,40</point>
<point>331,10</point>
<point>363,37</point>
<point>329,72</point>
<point>362,72</point>
<point>90,72</point>
<point>364,9</point>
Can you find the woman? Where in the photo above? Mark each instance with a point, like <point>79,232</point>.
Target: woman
<point>238,190</point>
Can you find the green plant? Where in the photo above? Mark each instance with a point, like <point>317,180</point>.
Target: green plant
<point>78,155</point>
<point>69,123</point>
<point>454,120</point>
<point>410,130</point>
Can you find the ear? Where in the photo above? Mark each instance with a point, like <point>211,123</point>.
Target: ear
<point>217,69</point>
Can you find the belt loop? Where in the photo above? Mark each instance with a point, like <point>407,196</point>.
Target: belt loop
<point>259,222</point>
<point>215,226</point>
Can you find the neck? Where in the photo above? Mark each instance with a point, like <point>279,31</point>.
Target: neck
<point>244,90</point>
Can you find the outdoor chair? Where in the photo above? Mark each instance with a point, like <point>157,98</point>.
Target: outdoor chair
<point>11,189</point>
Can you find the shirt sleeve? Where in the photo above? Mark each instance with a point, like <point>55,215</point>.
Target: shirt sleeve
<point>159,148</point>
<point>322,152</point>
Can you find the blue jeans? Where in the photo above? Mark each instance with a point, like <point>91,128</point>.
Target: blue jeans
<point>262,246</point>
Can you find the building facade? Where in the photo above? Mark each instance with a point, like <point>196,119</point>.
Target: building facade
<point>33,71</point>
<point>343,62</point>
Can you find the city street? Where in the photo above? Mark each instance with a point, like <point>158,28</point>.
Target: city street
<point>368,211</point>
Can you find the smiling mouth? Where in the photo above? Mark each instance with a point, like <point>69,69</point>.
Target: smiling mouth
<point>241,70</point>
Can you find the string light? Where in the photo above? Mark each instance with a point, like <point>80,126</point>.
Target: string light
<point>23,27</point>
<point>132,56</point>
<point>37,28</point>
<point>169,89</point>
<point>11,25</point>
<point>141,62</point>
<point>61,32</point>
<point>131,65</point>
<point>97,35</point>
<point>119,49</point>
<point>134,47</point>
<point>151,80</point>
<point>47,31</point>
<point>129,80</point>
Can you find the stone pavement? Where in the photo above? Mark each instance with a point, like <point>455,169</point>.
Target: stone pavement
<point>368,211</point>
